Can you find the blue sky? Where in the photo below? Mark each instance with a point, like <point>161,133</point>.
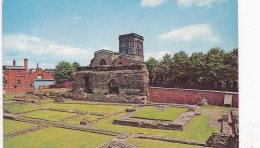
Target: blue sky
<point>49,31</point>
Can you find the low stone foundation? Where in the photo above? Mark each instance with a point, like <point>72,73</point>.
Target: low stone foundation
<point>229,137</point>
<point>179,124</point>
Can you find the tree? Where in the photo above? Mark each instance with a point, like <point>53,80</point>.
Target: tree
<point>165,64</point>
<point>215,67</point>
<point>152,67</point>
<point>63,71</point>
<point>179,68</point>
<point>231,68</point>
<point>74,66</point>
<point>196,68</point>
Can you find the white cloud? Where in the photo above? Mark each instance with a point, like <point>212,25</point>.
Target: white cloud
<point>198,3</point>
<point>106,48</point>
<point>151,3</point>
<point>196,32</point>
<point>42,51</point>
<point>77,18</point>
<point>157,55</point>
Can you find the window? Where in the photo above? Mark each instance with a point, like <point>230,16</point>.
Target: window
<point>40,76</point>
<point>102,62</point>
<point>18,81</point>
<point>5,81</point>
<point>113,87</point>
<point>6,73</point>
<point>18,73</point>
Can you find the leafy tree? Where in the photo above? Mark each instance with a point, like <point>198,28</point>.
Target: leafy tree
<point>164,65</point>
<point>152,67</point>
<point>215,67</point>
<point>63,71</point>
<point>179,68</point>
<point>206,69</point>
<point>196,68</point>
<point>74,66</point>
<point>231,67</point>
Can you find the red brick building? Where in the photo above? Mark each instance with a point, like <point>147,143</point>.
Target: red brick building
<point>18,79</point>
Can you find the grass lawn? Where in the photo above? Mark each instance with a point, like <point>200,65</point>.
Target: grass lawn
<point>77,120</point>
<point>11,125</point>
<point>49,115</point>
<point>197,130</point>
<point>19,108</point>
<point>149,112</point>
<point>228,109</point>
<point>9,101</point>
<point>11,96</point>
<point>147,143</point>
<point>46,101</point>
<point>56,138</point>
<point>87,108</point>
<point>76,101</point>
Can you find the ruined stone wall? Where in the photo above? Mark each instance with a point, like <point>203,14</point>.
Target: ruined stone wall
<point>107,55</point>
<point>189,96</point>
<point>133,83</point>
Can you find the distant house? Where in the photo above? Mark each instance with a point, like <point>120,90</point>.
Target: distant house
<point>19,79</point>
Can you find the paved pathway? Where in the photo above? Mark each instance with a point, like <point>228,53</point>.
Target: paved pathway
<point>215,118</point>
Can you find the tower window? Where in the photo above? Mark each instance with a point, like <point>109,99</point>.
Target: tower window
<point>18,81</point>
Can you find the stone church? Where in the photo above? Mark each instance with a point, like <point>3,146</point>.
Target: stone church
<point>115,76</point>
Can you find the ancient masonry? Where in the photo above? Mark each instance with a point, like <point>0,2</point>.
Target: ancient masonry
<point>113,76</point>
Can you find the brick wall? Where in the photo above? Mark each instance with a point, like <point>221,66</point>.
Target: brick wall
<point>19,89</point>
<point>67,84</point>
<point>189,96</point>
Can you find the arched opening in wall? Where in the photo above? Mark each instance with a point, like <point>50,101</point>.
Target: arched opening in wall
<point>113,87</point>
<point>87,85</point>
<point>102,62</point>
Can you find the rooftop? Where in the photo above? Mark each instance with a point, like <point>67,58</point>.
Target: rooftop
<point>13,67</point>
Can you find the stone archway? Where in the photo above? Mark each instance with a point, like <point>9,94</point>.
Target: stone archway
<point>102,62</point>
<point>113,87</point>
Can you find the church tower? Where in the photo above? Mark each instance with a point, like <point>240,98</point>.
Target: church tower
<point>132,44</point>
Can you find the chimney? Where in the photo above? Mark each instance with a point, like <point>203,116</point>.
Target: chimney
<point>14,62</point>
<point>26,65</point>
<point>37,68</point>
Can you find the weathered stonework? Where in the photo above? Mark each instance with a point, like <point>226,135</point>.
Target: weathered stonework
<point>229,137</point>
<point>115,77</point>
<point>130,83</point>
<point>178,124</point>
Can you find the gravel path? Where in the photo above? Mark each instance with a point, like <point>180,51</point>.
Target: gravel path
<point>216,116</point>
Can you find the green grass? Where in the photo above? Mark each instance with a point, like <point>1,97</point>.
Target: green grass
<point>147,143</point>
<point>11,96</point>
<point>49,115</point>
<point>11,125</point>
<point>77,120</point>
<point>166,114</point>
<point>56,138</point>
<point>76,101</point>
<point>197,130</point>
<point>46,101</point>
<point>9,101</point>
<point>228,109</point>
<point>87,108</point>
<point>19,108</point>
